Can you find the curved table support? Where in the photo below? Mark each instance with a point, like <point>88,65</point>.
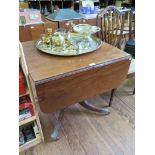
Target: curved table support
<point>88,106</point>
<point>55,133</point>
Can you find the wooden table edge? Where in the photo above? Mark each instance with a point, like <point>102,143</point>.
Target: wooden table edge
<point>38,82</point>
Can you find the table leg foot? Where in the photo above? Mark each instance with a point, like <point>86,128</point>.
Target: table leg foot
<point>55,133</point>
<point>88,106</point>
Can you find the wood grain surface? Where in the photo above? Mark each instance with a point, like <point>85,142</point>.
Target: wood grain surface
<point>25,33</point>
<point>62,81</point>
<point>87,133</point>
<point>60,93</point>
<point>43,66</point>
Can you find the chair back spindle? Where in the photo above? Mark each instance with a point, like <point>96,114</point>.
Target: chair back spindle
<point>111,21</point>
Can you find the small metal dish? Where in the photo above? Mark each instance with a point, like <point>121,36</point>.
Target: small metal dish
<point>86,29</point>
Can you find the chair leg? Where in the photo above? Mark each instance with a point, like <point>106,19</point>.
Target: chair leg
<point>133,91</point>
<point>112,96</point>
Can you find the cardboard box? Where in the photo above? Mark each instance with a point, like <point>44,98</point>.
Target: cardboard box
<point>29,16</point>
<point>87,7</point>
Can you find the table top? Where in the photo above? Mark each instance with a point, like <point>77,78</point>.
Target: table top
<point>43,66</point>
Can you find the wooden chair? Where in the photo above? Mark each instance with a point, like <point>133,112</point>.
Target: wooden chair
<point>130,25</point>
<point>130,48</point>
<point>111,21</point>
<point>114,24</point>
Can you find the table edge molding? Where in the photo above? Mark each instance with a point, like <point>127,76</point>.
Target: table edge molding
<point>38,82</point>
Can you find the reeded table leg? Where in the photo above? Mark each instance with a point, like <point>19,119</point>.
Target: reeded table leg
<point>88,106</point>
<point>133,91</point>
<point>112,96</point>
<point>55,133</point>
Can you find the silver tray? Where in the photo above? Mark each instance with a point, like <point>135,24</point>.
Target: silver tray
<point>78,40</point>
